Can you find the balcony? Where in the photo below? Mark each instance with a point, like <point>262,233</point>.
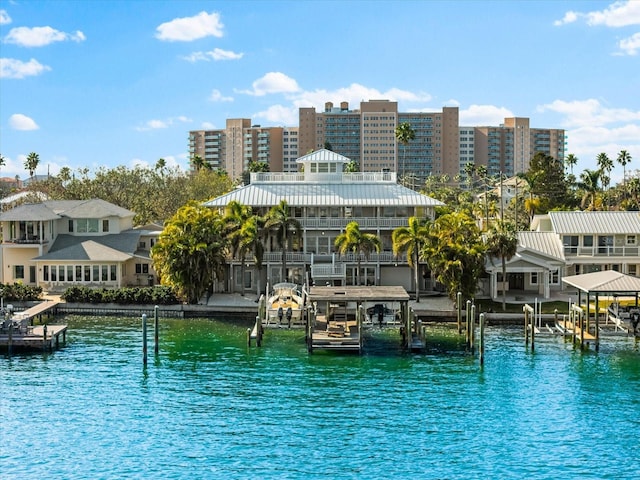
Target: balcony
<point>603,251</point>
<point>28,240</point>
<point>365,223</point>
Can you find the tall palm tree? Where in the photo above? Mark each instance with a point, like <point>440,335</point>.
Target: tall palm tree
<point>235,217</point>
<point>623,159</point>
<point>589,183</point>
<point>250,244</point>
<point>280,221</point>
<point>198,163</point>
<point>605,164</point>
<point>502,242</point>
<point>571,161</point>
<point>31,163</point>
<point>358,242</point>
<point>410,240</point>
<point>404,135</point>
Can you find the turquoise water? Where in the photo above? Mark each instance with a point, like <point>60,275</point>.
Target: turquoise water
<point>209,407</point>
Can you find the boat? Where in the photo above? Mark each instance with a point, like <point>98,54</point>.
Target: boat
<point>284,307</point>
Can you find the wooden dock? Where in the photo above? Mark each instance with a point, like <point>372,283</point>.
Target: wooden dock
<point>18,330</point>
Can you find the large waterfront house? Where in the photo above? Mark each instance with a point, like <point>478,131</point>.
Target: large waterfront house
<point>566,244</point>
<point>63,243</point>
<point>324,199</point>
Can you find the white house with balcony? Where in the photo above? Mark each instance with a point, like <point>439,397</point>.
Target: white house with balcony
<point>595,241</point>
<point>324,199</point>
<point>61,243</point>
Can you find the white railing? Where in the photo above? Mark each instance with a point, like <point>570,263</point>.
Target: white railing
<point>384,223</point>
<point>352,258</point>
<point>357,177</point>
<point>338,270</point>
<point>607,251</point>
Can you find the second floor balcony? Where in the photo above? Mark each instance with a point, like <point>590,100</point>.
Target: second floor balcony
<point>602,251</point>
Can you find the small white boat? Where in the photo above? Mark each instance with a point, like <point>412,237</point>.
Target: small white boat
<point>284,307</point>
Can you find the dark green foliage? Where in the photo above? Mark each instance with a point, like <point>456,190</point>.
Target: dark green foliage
<point>158,295</point>
<point>20,292</point>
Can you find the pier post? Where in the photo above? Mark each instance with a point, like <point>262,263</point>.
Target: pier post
<point>468,312</point>
<point>10,341</point>
<point>156,347</point>
<point>144,339</point>
<point>248,337</point>
<point>472,327</point>
<point>526,325</point>
<point>44,336</point>
<point>459,311</point>
<point>481,341</point>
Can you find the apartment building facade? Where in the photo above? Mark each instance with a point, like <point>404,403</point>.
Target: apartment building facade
<point>232,149</point>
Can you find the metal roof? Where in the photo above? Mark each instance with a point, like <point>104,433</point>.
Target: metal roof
<point>361,293</point>
<point>546,243</point>
<point>323,155</point>
<point>55,209</point>
<point>610,223</point>
<point>607,281</point>
<point>330,194</point>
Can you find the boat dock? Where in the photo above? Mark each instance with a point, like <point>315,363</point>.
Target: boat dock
<point>17,330</point>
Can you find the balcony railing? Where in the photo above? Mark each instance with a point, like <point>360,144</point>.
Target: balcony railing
<point>329,271</point>
<point>605,251</point>
<point>330,258</point>
<point>28,240</point>
<point>338,177</point>
<point>339,223</point>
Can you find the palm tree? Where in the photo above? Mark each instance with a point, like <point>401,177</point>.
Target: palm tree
<point>571,161</point>
<point>3,161</point>
<point>235,217</point>
<point>605,164</point>
<point>198,163</point>
<point>589,183</point>
<point>502,242</point>
<point>410,240</point>
<point>279,219</point>
<point>623,159</point>
<point>358,242</point>
<point>31,163</point>
<point>250,243</point>
<point>404,134</point>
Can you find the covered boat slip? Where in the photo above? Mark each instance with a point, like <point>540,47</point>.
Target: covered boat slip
<point>337,315</point>
<point>597,287</point>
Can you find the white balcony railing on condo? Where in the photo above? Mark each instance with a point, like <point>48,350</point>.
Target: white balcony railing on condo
<point>351,258</point>
<point>606,251</point>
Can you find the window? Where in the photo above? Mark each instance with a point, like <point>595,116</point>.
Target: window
<point>54,273</point>
<point>105,225</point>
<point>632,270</point>
<point>87,273</point>
<point>113,273</point>
<point>45,273</point>
<point>587,240</point>
<point>534,278</point>
<point>554,277</point>
<point>70,226</point>
<point>142,268</point>
<point>631,239</point>
<point>18,272</point>
<point>105,273</point>
<point>78,273</point>
<point>69,273</point>
<point>87,225</point>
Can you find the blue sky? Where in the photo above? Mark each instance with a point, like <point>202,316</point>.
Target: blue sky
<point>106,83</point>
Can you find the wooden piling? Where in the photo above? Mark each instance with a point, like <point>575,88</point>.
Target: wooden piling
<point>44,337</point>
<point>468,312</point>
<point>144,339</point>
<point>459,311</point>
<point>472,328</point>
<point>481,341</point>
<point>156,336</point>
<point>248,337</point>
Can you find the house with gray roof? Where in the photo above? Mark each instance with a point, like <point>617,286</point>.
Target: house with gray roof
<point>324,199</point>
<point>563,244</point>
<point>60,243</point>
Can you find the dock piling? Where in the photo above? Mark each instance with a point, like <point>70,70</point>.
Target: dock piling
<point>481,340</point>
<point>156,347</point>
<point>144,339</point>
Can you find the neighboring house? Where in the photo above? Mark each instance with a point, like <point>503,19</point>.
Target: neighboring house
<point>536,269</point>
<point>565,244</point>
<point>324,200</point>
<point>60,243</point>
<point>596,241</point>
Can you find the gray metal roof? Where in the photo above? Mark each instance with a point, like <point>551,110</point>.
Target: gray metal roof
<point>606,282</point>
<point>610,223</point>
<point>115,247</point>
<point>55,209</point>
<point>330,194</point>
<point>546,243</point>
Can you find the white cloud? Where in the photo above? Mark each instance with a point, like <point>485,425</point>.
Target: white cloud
<point>216,54</point>
<point>12,68</point>
<point>216,96</point>
<point>477,115</point>
<point>5,19</point>
<point>618,14</point>
<point>584,113</point>
<point>279,115</point>
<point>157,124</point>
<point>40,36</point>
<point>186,29</point>
<point>272,82</point>
<point>18,121</point>
<point>630,45</point>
